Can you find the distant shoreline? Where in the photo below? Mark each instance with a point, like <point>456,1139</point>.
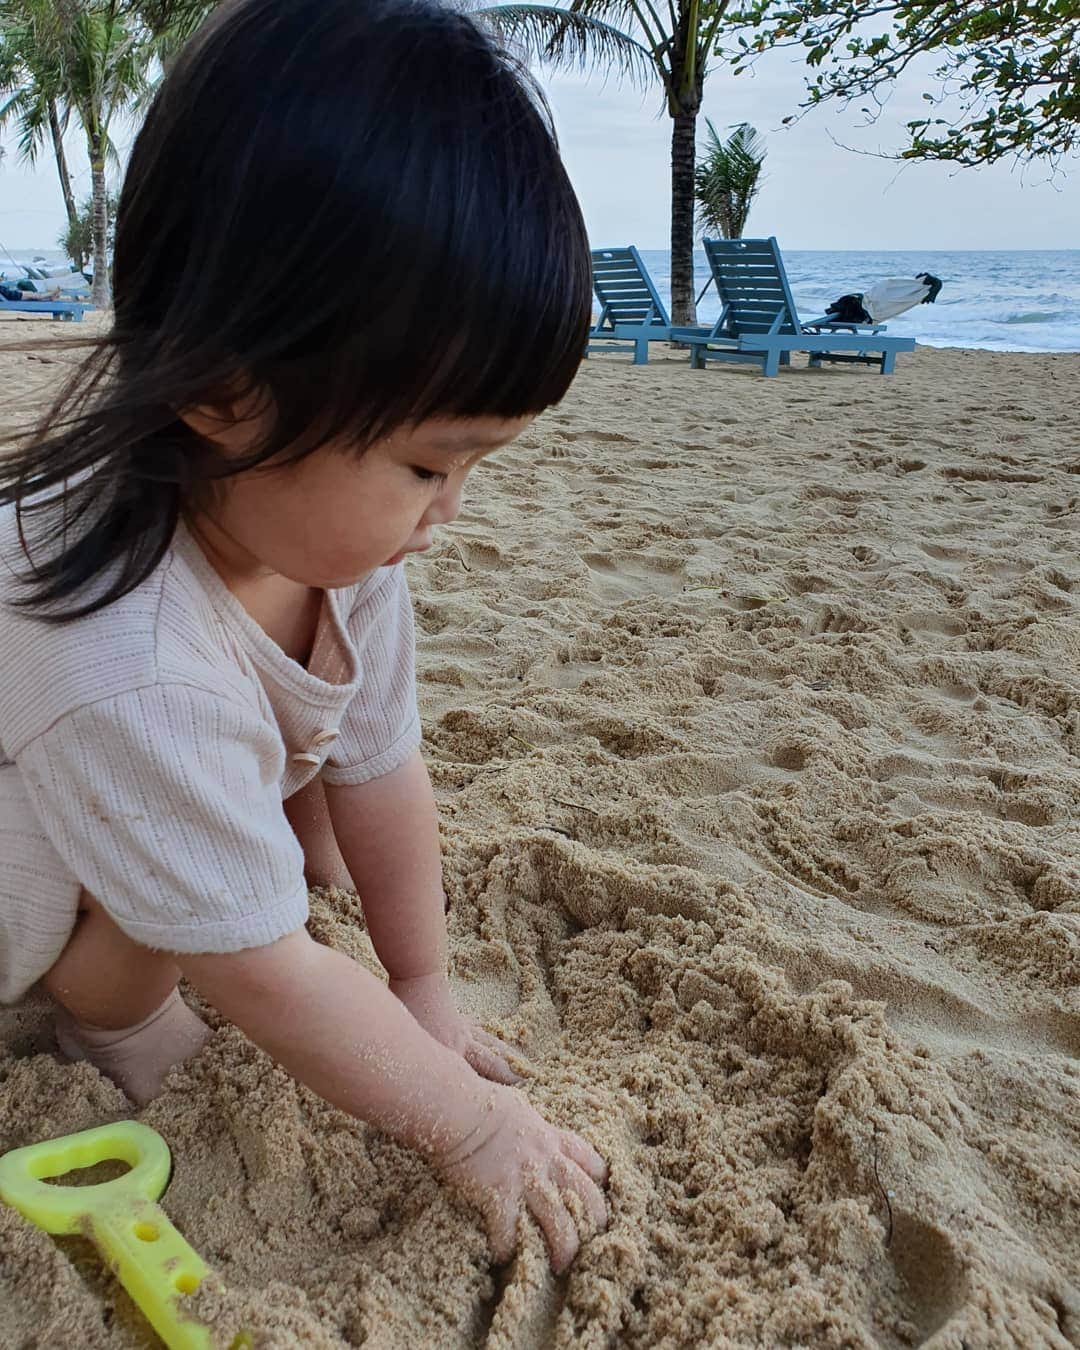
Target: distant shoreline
<point>1015,300</point>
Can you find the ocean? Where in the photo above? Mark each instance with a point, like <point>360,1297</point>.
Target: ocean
<point>1007,301</point>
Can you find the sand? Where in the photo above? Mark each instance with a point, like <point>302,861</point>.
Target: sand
<point>753,710</point>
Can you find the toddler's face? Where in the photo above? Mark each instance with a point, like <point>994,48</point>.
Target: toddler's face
<point>333,517</point>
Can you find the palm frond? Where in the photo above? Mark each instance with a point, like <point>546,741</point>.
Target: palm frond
<point>27,106</point>
<point>33,114</point>
<point>728,178</point>
<point>12,107</point>
<point>175,20</point>
<point>570,41</point>
<point>621,13</point>
<point>10,70</point>
<point>627,15</point>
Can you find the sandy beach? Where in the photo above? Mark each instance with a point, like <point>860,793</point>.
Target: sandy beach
<point>753,711</point>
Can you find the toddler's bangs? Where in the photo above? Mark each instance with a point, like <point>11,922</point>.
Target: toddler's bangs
<point>496,327</point>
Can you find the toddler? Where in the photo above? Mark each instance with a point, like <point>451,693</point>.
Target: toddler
<point>348,265</point>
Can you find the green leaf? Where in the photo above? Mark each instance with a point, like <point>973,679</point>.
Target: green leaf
<point>1019,60</point>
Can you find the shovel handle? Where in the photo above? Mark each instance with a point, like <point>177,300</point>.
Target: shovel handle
<point>154,1263</point>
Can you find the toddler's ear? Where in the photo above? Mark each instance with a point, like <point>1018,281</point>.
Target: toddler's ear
<point>235,422</point>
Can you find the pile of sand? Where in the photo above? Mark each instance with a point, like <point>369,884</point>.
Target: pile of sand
<point>754,716</point>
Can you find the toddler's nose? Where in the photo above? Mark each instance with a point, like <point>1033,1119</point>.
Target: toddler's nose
<point>446,507</point>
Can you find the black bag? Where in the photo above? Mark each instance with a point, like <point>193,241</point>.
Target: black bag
<point>849,309</point>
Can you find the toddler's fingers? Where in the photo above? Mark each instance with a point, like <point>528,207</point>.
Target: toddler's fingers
<point>584,1155</point>
<point>500,1220</point>
<point>549,1210</point>
<point>570,1177</point>
<point>499,1046</point>
<point>490,1065</point>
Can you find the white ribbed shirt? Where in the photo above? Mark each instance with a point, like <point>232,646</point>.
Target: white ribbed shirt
<point>157,739</point>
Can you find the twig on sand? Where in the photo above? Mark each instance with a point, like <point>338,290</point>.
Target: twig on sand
<point>579,806</point>
<point>885,1195</point>
<point>461,556</point>
<point>522,741</point>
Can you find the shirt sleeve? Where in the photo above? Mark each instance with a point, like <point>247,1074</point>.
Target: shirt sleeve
<point>381,726</point>
<point>166,804</point>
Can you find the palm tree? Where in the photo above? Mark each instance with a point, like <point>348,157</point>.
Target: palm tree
<point>32,71</point>
<point>671,42</point>
<point>30,94</point>
<point>728,180</point>
<point>98,57</point>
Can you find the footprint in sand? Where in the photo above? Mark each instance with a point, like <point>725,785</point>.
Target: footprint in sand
<point>475,555</point>
<point>621,576</point>
<point>944,553</point>
<point>989,475</point>
<point>604,437</point>
<point>932,1279</point>
<point>1061,581</point>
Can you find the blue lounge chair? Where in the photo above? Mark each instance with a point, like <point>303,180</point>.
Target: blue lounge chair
<point>70,303</point>
<point>631,311</point>
<point>68,310</point>
<point>759,323</point>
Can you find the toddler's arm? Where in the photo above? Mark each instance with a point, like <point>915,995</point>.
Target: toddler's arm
<point>338,1030</point>
<point>388,833</point>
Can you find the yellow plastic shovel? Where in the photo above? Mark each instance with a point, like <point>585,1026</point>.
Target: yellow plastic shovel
<point>151,1260</point>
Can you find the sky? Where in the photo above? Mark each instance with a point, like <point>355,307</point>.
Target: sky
<point>816,194</point>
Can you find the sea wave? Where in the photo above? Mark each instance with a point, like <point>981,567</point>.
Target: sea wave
<point>1035,317</point>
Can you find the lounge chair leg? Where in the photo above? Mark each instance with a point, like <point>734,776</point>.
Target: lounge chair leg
<point>772,364</point>
<point>785,358</point>
<point>888,362</point>
<point>641,352</point>
<point>697,358</point>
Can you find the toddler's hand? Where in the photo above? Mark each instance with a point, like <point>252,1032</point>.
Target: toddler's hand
<point>515,1157</point>
<point>429,1000</point>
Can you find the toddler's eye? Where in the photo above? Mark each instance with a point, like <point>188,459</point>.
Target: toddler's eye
<point>428,475</point>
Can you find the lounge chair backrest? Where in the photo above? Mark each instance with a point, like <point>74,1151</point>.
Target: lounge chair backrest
<point>625,289</point>
<point>753,287</point>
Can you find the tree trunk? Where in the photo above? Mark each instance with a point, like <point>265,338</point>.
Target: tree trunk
<point>57,133</point>
<point>683,308</point>
<point>101,292</point>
